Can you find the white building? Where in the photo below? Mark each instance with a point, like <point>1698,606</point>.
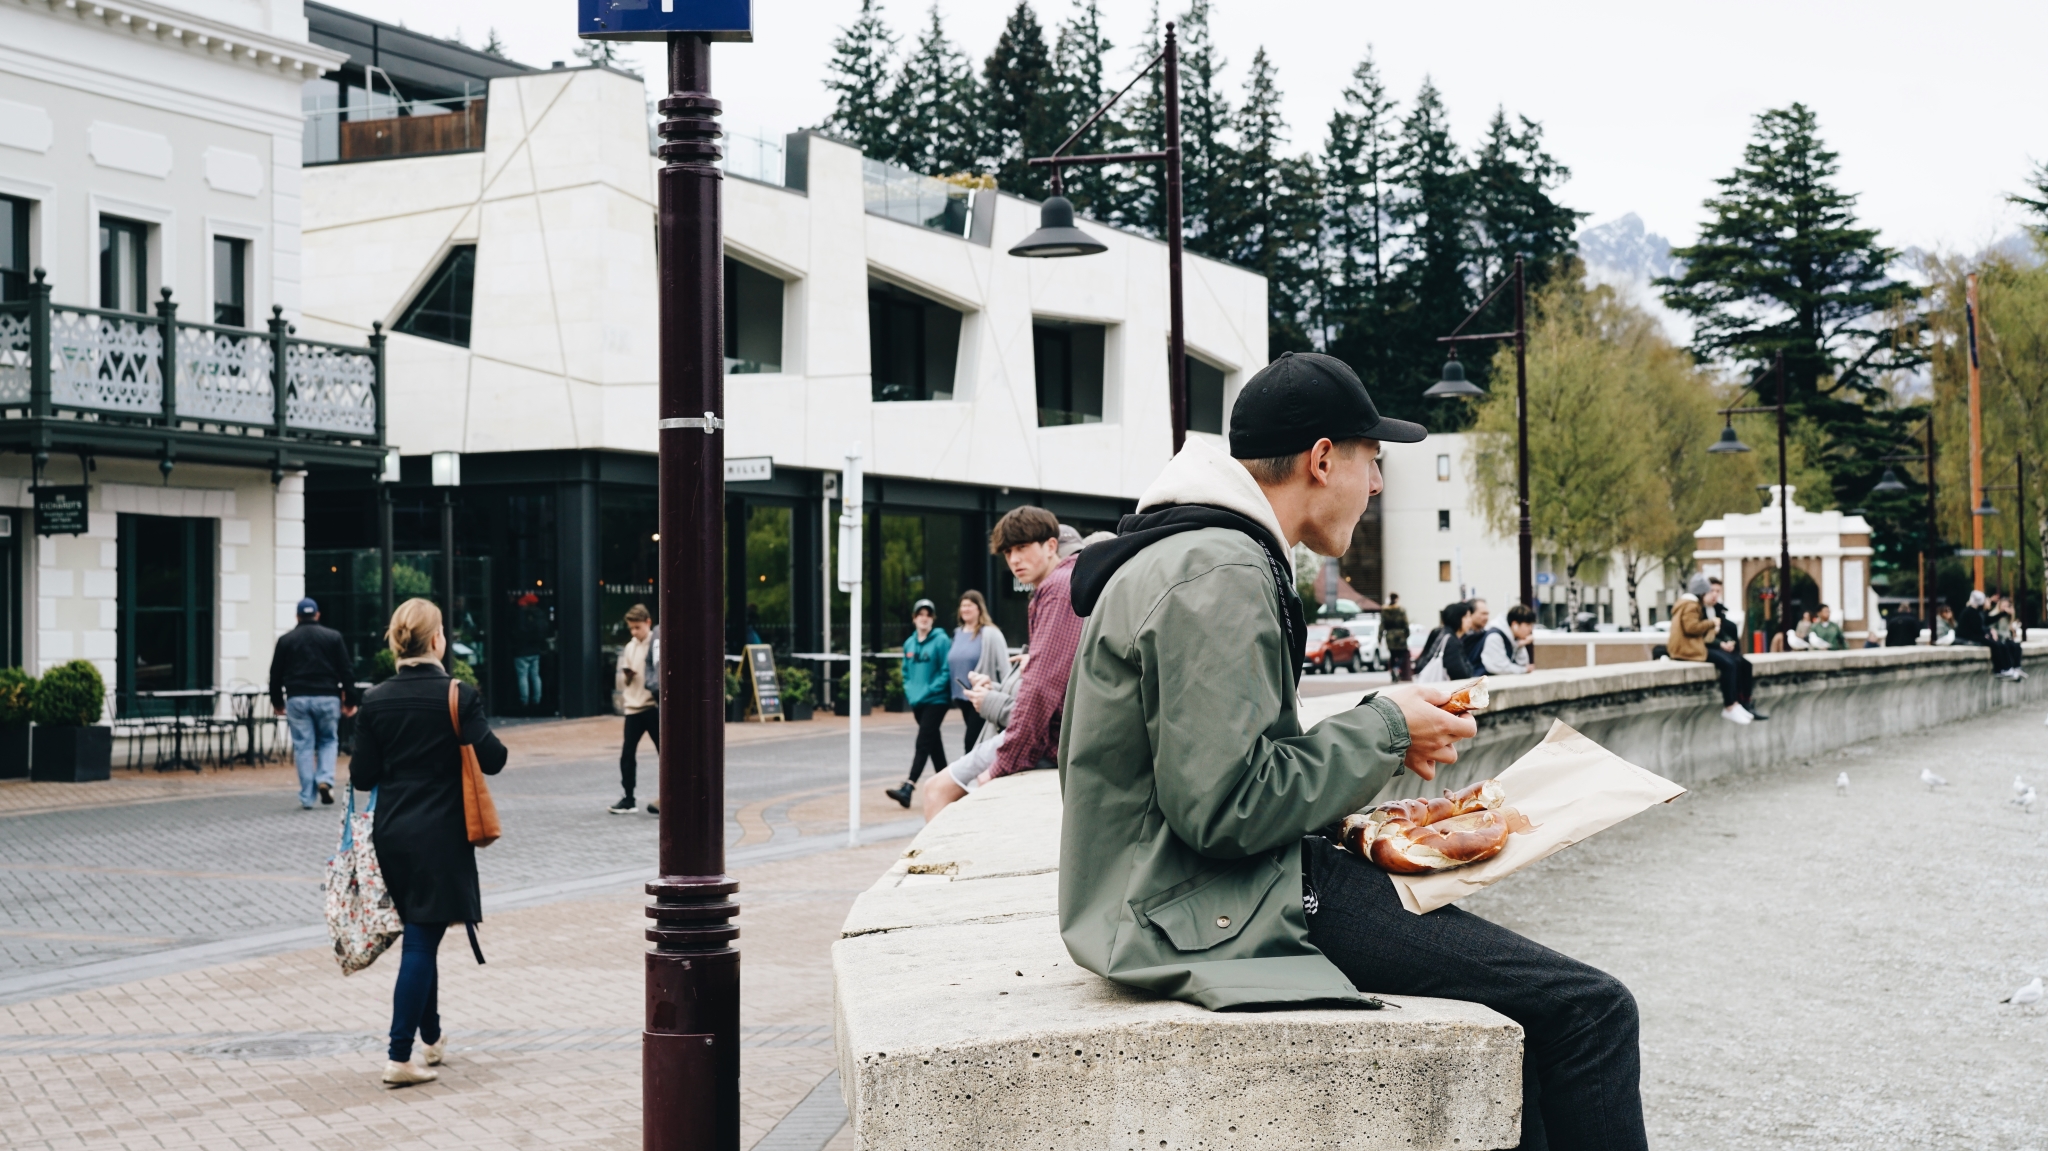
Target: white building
<point>150,157</point>
<point>865,306</point>
<point>1830,559</point>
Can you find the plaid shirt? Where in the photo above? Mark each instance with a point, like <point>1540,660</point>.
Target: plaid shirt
<point>1034,729</point>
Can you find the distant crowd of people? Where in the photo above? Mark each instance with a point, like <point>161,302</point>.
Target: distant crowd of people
<point>1464,644</point>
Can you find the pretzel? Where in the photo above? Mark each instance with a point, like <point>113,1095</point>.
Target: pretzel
<point>1418,836</point>
<point>1471,697</point>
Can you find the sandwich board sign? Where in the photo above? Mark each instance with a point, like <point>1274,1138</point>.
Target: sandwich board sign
<point>767,686</point>
<point>655,19</point>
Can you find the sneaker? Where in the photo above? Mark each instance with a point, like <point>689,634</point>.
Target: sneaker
<point>653,810</point>
<point>901,794</point>
<point>305,807</point>
<point>434,1052</point>
<point>624,806</point>
<point>1736,713</point>
<point>406,1074</point>
<point>327,794</point>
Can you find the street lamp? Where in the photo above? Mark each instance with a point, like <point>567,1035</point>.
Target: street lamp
<point>1057,236</point>
<point>1889,485</point>
<point>690,1037</point>
<point>1455,384</point>
<point>2019,535</point>
<point>1730,443</point>
<point>445,470</point>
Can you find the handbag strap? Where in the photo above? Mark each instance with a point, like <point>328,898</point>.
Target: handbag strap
<point>348,820</point>
<point>454,708</point>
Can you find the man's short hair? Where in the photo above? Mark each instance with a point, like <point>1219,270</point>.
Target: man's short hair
<point>1021,526</point>
<point>638,613</point>
<point>1716,580</point>
<point>1522,613</point>
<point>1276,469</point>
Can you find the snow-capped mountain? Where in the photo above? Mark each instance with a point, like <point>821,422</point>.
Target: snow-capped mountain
<point>1626,256</point>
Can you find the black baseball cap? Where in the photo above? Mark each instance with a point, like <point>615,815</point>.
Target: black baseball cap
<point>1303,397</point>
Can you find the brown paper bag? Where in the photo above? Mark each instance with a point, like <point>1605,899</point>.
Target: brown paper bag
<point>1570,788</point>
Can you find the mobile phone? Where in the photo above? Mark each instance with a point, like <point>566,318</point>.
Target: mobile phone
<point>964,685</point>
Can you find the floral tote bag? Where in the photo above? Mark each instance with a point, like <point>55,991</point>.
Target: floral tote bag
<point>360,916</point>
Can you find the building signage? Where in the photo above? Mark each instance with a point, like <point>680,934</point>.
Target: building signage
<point>60,511</point>
<point>655,19</point>
<point>753,469</point>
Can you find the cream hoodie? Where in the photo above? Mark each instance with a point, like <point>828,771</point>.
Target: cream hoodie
<point>1205,474</point>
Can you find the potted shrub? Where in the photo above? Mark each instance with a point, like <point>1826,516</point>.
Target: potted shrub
<point>70,744</point>
<point>796,692</point>
<point>843,697</point>
<point>17,704</point>
<point>893,698</point>
<point>736,694</point>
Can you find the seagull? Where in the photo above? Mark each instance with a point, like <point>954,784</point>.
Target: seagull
<point>2026,996</point>
<point>1931,780</point>
<point>1842,784</point>
<point>2019,786</point>
<point>2025,799</point>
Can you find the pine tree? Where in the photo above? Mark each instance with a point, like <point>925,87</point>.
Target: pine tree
<point>1136,196</point>
<point>1079,60</point>
<point>1513,214</point>
<point>2039,182</point>
<point>1204,123</point>
<point>932,106</point>
<point>859,73</point>
<point>1432,273</point>
<point>1357,165</point>
<point>493,46</point>
<point>1015,109</point>
<point>1782,265</point>
<point>1265,215</point>
<point>603,53</point>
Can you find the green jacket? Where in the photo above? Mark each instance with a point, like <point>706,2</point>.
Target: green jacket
<point>924,668</point>
<point>1188,783</point>
<point>1830,633</point>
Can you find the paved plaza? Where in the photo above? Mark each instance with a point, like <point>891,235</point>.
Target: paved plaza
<point>1814,970</point>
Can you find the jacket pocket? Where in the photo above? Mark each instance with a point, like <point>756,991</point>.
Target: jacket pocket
<point>1213,907</point>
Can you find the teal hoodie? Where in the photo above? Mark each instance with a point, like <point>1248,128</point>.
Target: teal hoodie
<point>924,668</point>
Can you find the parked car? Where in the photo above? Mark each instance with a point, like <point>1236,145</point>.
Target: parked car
<point>1331,646</point>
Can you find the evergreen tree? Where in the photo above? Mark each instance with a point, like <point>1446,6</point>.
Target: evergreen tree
<point>859,74</point>
<point>1136,196</point>
<point>1265,215</point>
<point>2039,184</point>
<point>1016,111</point>
<point>1358,159</point>
<point>492,45</point>
<point>1204,122</point>
<point>1782,266</point>
<point>932,105</point>
<point>1513,214</point>
<point>603,53</point>
<point>1079,60</point>
<point>1433,271</point>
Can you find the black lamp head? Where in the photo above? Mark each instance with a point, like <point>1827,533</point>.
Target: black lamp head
<point>1056,235</point>
<point>1453,383</point>
<point>1889,485</point>
<point>1729,441</point>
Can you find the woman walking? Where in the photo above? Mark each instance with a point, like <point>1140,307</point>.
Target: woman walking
<point>978,646</point>
<point>406,747</point>
<point>925,659</point>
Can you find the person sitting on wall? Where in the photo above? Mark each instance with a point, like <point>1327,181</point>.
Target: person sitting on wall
<point>1506,651</point>
<point>1191,859</point>
<point>1697,635</point>
<point>1826,631</point>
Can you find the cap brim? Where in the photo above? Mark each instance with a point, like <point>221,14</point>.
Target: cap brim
<point>1390,431</point>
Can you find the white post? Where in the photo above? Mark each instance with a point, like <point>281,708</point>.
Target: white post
<point>850,554</point>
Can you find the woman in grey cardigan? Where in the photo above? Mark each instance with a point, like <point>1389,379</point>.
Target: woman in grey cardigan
<point>978,646</point>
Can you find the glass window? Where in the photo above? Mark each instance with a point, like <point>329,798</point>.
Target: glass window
<point>230,281</point>
<point>753,320</point>
<point>165,608</point>
<point>628,520</point>
<point>320,100</point>
<point>1067,359</point>
<point>14,267</point>
<point>441,311</point>
<point>913,344</point>
<point>1205,397</point>
<point>1443,469</point>
<point>124,265</point>
<point>770,579</point>
<point>1443,571</point>
<point>1443,519</point>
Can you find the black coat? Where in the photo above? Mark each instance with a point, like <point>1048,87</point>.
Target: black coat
<point>405,747</point>
<point>310,660</point>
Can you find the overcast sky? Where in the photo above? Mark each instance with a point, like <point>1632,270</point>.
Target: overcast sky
<point>1937,110</point>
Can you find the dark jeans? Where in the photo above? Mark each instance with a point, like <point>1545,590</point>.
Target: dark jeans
<point>1397,661</point>
<point>929,745</point>
<point>1735,675</point>
<point>975,723</point>
<point>415,1001</point>
<point>638,723</point>
<point>1581,1060</point>
<point>2004,654</point>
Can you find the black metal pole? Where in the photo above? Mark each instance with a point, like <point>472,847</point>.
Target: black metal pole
<point>1526,540</point>
<point>1933,535</point>
<point>2019,542</point>
<point>448,569</point>
<point>1176,334</point>
<point>1784,516</point>
<point>690,1051</point>
<point>386,589</point>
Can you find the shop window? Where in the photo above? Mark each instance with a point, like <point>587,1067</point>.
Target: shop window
<point>124,265</point>
<point>913,344</point>
<point>753,320</point>
<point>14,257</point>
<point>166,608</point>
<point>1205,396</point>
<point>442,309</point>
<point>771,577</point>
<point>230,282</point>
<point>1067,360</point>
<point>629,555</point>
<point>920,558</point>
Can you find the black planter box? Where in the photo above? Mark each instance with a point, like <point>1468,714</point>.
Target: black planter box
<point>792,710</point>
<point>14,751</point>
<point>736,710</point>
<point>842,706</point>
<point>72,754</point>
<point>896,705</point>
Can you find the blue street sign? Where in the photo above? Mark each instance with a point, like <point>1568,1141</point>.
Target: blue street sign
<point>1543,577</point>
<point>655,19</point>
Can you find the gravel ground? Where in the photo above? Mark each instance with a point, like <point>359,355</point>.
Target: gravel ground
<point>1824,971</point>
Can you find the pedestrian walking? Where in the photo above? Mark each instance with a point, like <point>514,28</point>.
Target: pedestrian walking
<point>1394,631</point>
<point>409,752</point>
<point>311,677</point>
<point>979,648</point>
<point>639,687</point>
<point>926,660</point>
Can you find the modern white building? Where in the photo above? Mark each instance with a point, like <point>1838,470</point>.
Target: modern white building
<point>150,269</point>
<point>866,306</point>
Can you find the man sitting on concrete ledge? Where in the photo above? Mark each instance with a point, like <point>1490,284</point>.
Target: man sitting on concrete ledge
<point>1190,863</point>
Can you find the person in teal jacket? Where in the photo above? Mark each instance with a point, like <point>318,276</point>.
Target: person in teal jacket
<point>925,689</point>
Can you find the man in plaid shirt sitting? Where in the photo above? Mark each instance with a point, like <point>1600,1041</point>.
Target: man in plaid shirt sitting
<point>1029,540</point>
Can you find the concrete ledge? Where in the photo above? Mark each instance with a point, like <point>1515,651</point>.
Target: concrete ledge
<point>962,1023</point>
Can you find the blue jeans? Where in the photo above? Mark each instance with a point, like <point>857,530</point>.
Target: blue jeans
<point>416,998</point>
<point>312,720</point>
<point>526,672</point>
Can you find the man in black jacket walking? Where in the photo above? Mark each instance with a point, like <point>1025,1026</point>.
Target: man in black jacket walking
<point>310,665</point>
